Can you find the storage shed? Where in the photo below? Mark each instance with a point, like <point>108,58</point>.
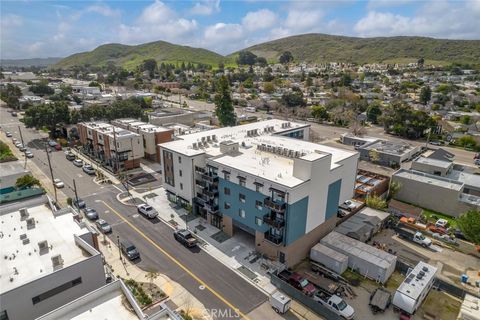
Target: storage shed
<point>367,260</point>
<point>331,259</point>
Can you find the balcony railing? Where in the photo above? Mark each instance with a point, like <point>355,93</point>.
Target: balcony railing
<point>199,201</point>
<point>277,206</point>
<point>273,221</point>
<point>275,239</point>
<point>212,208</point>
<point>209,178</point>
<point>210,193</point>
<point>200,183</point>
<point>470,199</point>
<point>199,170</point>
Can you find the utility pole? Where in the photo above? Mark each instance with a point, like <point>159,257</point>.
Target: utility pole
<point>51,173</point>
<point>76,194</point>
<point>23,144</point>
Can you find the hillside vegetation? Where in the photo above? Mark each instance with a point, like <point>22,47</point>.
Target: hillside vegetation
<point>326,48</point>
<point>131,56</point>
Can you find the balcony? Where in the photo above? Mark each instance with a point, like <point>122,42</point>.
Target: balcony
<point>211,207</point>
<point>199,170</point>
<point>209,178</point>
<point>210,193</point>
<point>277,206</point>
<point>200,183</point>
<point>275,239</point>
<point>199,201</point>
<point>273,221</point>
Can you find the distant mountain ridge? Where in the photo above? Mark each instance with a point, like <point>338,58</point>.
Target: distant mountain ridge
<point>34,62</point>
<point>311,48</point>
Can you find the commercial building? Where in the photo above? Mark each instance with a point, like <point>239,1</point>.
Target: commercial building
<point>388,153</point>
<point>112,301</point>
<point>48,259</point>
<point>152,135</point>
<point>256,178</point>
<point>172,115</point>
<point>114,147</point>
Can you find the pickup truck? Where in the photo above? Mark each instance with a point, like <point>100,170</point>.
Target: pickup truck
<point>185,237</point>
<point>336,304</point>
<point>298,282</point>
<point>413,236</point>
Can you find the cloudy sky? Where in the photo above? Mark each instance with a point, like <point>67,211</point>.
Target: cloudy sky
<point>34,28</point>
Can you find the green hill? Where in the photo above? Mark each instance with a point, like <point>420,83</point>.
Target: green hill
<point>35,62</point>
<point>131,56</point>
<point>327,48</point>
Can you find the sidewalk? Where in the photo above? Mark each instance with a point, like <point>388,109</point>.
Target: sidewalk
<point>178,297</point>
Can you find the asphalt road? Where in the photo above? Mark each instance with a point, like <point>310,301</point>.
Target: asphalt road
<point>212,283</point>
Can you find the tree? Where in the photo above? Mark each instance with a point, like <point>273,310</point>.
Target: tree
<point>393,189</point>
<point>150,65</point>
<point>151,275</point>
<point>246,58</point>
<point>465,119</point>
<point>467,141</point>
<point>41,89</point>
<point>268,87</point>
<point>420,62</point>
<point>223,103</point>
<point>286,57</point>
<point>47,115</point>
<point>320,112</point>
<point>293,99</point>
<point>374,111</point>
<point>27,181</point>
<point>469,223</point>
<point>425,95</point>
<point>261,61</point>
<point>375,202</point>
<point>374,155</point>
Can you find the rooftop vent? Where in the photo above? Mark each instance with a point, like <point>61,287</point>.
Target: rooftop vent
<point>195,145</point>
<point>214,137</point>
<point>43,246</point>
<point>425,269</point>
<point>57,262</point>
<point>30,223</point>
<point>23,214</point>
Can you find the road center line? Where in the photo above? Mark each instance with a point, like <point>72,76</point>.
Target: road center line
<point>215,293</point>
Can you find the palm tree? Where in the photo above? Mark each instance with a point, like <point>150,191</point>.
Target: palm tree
<point>151,275</point>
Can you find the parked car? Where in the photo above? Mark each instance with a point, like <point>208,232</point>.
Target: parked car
<point>88,169</point>
<point>58,147</point>
<point>14,140</point>
<point>80,204</point>
<point>442,223</point>
<point>28,154</point>
<point>477,155</point>
<point>444,237</point>
<point>185,237</point>
<point>129,250</point>
<point>18,145</point>
<point>22,148</point>
<point>70,156</point>
<point>459,234</point>
<point>90,213</point>
<point>8,134</point>
<point>301,284</point>
<point>14,114</point>
<point>58,183</point>
<point>147,211</point>
<point>77,162</point>
<point>103,226</point>
<point>436,143</point>
<point>52,143</point>
<point>477,162</point>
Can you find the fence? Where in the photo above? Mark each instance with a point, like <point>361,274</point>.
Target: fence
<point>439,284</point>
<point>303,299</point>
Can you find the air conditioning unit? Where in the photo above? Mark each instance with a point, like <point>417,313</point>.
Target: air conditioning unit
<point>57,261</point>
<point>209,138</point>
<point>214,137</point>
<point>43,246</point>
<point>23,214</point>
<point>194,145</point>
<point>30,223</point>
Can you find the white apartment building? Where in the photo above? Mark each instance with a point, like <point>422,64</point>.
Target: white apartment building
<point>262,178</point>
<point>48,260</point>
<point>113,146</point>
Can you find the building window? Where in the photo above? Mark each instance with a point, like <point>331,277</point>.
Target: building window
<point>241,181</point>
<point>226,176</point>
<point>179,159</point>
<point>241,213</point>
<point>180,173</point>
<point>241,197</point>
<point>226,205</point>
<point>181,186</point>
<point>258,187</point>
<point>3,315</point>
<point>57,290</point>
<point>226,191</point>
<point>258,221</point>
<point>259,205</point>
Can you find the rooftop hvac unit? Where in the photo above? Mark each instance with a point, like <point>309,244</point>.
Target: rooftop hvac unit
<point>203,139</point>
<point>297,154</point>
<point>23,214</point>
<point>57,261</point>
<point>43,246</point>
<point>195,145</point>
<point>30,223</point>
<point>243,144</point>
<point>289,124</point>
<point>23,236</point>
<point>214,137</point>
<point>209,138</point>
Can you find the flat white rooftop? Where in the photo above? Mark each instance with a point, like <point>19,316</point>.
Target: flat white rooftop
<point>25,261</point>
<point>417,280</point>
<point>434,162</point>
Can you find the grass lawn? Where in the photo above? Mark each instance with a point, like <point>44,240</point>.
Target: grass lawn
<point>429,213</point>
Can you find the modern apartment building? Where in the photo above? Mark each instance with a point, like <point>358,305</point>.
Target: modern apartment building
<point>152,135</point>
<point>48,259</point>
<point>262,178</point>
<point>114,147</point>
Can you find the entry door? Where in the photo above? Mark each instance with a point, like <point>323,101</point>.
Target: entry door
<point>217,221</point>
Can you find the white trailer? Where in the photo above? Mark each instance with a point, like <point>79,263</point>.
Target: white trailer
<point>413,290</point>
<point>331,259</point>
<point>280,302</point>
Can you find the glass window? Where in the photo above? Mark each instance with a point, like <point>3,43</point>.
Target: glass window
<point>241,197</point>
<point>241,213</point>
<point>241,181</point>
<point>259,205</point>
<point>226,205</point>
<point>227,176</point>
<point>258,221</point>
<point>57,290</point>
<point>258,188</point>
<point>226,191</point>
<point>181,186</point>
<point>180,173</point>
<point>179,159</point>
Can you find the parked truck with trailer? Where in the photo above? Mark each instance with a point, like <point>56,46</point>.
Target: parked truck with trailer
<point>298,282</point>
<point>335,304</point>
<point>414,236</point>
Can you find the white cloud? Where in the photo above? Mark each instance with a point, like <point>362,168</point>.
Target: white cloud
<point>104,10</point>
<point>11,20</point>
<point>223,37</point>
<point>302,20</point>
<point>205,7</point>
<point>435,19</point>
<point>261,19</point>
